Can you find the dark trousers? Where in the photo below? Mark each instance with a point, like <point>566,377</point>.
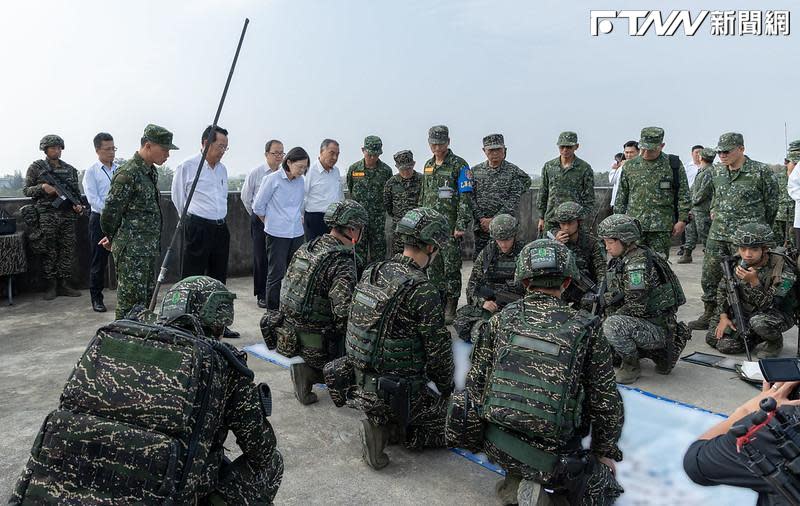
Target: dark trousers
<point>259,256</point>
<point>279,251</point>
<point>205,248</point>
<point>98,258</point>
<point>314,225</point>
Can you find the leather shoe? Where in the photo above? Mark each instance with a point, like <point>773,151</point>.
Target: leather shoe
<point>98,306</point>
<point>262,303</point>
<point>230,334</point>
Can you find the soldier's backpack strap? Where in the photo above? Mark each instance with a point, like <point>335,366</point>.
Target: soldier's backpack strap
<point>675,165</point>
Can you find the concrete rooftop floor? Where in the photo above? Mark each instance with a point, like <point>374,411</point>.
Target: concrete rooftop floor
<point>41,342</point>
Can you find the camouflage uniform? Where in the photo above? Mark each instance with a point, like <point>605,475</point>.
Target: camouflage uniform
<point>365,186</point>
<point>541,315</point>
<point>697,229</point>
<point>784,219</point>
<point>496,190</point>
<point>131,220</point>
<point>647,192</point>
<point>564,184</point>
<point>56,224</point>
<point>401,195</point>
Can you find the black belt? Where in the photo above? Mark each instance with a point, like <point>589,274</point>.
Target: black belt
<point>218,223</point>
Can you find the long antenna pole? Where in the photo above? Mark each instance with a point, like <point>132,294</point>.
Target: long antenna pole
<point>162,274</point>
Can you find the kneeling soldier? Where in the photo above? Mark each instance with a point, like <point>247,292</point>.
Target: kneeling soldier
<point>589,257</point>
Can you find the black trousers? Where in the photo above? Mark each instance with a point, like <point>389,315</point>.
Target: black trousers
<point>259,256</point>
<point>98,258</point>
<point>314,225</point>
<point>205,248</point>
<point>279,251</point>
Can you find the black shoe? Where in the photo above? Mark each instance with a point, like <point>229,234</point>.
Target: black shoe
<point>98,306</point>
<point>230,334</point>
<point>262,303</point>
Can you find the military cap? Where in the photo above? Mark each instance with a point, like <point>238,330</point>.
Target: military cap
<point>159,135</point>
<point>345,213</point>
<point>729,140</point>
<point>438,134</point>
<point>503,227</point>
<point>494,141</point>
<point>545,263</point>
<point>51,140</point>
<point>794,145</point>
<point>404,159</point>
<point>753,234</point>
<point>568,211</point>
<point>621,227</point>
<point>651,137</point>
<point>708,154</point>
<point>567,139</point>
<point>373,145</point>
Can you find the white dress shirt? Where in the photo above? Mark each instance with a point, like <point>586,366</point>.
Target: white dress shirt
<point>793,187</point>
<point>323,187</point>
<point>96,182</point>
<point>280,199</point>
<point>210,199</point>
<point>251,185</point>
<point>691,173</point>
<point>614,178</point>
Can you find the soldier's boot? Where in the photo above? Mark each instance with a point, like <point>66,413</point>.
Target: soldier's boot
<point>711,338</point>
<point>507,488</point>
<point>629,371</point>
<point>730,344</point>
<point>663,360</point>
<point>63,289</point>
<point>450,310</point>
<point>686,258</point>
<point>373,441</point>
<point>701,323</point>
<point>770,349</point>
<point>530,493</point>
<point>302,380</point>
<point>50,290</point>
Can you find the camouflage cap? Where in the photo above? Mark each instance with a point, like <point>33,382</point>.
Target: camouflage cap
<point>503,227</point>
<point>346,213</point>
<point>494,141</point>
<point>568,211</point>
<point>794,146</point>
<point>373,145</point>
<point>793,156</point>
<point>51,140</point>
<point>621,227</point>
<point>651,137</point>
<point>159,135</point>
<point>729,140</point>
<point>546,263</point>
<point>708,154</point>
<point>424,225</point>
<point>753,234</point>
<point>201,296</point>
<point>404,159</point>
<point>567,139</point>
<point>438,134</point>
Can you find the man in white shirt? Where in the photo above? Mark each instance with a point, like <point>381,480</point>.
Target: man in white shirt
<point>273,152</point>
<point>323,187</point>
<point>630,150</point>
<point>692,168</point>
<point>205,233</point>
<point>96,182</point>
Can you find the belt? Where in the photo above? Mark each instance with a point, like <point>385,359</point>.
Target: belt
<point>218,223</point>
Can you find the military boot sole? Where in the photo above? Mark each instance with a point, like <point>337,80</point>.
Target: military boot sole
<point>372,445</point>
<point>627,374</point>
<point>301,381</point>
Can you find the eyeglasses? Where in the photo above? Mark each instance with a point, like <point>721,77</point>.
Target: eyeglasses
<point>276,153</point>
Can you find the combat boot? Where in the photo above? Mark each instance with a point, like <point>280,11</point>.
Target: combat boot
<point>450,310</point>
<point>701,323</point>
<point>65,290</point>
<point>50,290</point>
<point>686,258</point>
<point>302,380</point>
<point>530,493</point>
<point>373,441</point>
<point>507,488</point>
<point>770,349</point>
<point>629,371</point>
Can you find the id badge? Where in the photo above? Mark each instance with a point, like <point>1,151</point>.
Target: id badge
<point>445,192</point>
<point>665,184</point>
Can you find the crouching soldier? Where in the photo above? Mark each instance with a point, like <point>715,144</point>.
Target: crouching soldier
<point>491,283</point>
<point>765,284</point>
<point>397,343</point>
<point>541,380</point>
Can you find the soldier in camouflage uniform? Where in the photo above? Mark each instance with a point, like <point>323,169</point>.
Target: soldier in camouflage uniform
<point>57,224</point>
<point>365,181</point>
<point>504,366</point>
<point>640,301</point>
<point>396,343</point>
<point>401,193</point>
<point>491,283</point>
<point>784,219</point>
<point>565,179</point>
<point>700,216</point>
<point>744,191</point>
<point>131,219</point>
<point>498,186</point>
<point>589,256</point>
<point>447,188</point>
<point>315,297</point>
<point>765,282</point>
<point>647,192</point>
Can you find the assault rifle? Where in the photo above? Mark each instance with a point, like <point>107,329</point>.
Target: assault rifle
<point>501,297</point>
<point>65,199</point>
<point>735,302</point>
<point>397,393</point>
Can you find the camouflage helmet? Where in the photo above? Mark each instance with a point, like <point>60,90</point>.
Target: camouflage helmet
<point>425,226</point>
<point>568,211</point>
<point>503,227</point>
<point>204,297</point>
<point>621,227</point>
<point>752,235</point>
<point>51,140</point>
<point>347,213</point>
<point>545,263</point>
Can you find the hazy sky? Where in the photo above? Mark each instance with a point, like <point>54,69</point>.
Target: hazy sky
<point>346,69</point>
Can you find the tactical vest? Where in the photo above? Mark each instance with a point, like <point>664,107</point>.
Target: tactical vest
<point>371,319</point>
<point>668,295</point>
<point>499,271</point>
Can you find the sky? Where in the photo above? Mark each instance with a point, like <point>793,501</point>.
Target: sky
<point>350,68</point>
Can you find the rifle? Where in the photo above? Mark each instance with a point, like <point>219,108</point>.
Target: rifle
<point>162,274</point>
<point>65,199</point>
<point>596,297</point>
<point>502,297</point>
<point>397,393</point>
<point>734,301</point>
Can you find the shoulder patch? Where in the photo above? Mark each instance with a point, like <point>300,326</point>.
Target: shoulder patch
<point>465,180</point>
<point>636,279</point>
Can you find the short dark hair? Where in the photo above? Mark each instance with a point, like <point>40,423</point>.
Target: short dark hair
<point>217,130</point>
<point>326,143</point>
<point>99,138</point>
<point>631,144</point>
<point>619,156</point>
<point>697,146</point>
<point>294,155</point>
<point>269,144</point>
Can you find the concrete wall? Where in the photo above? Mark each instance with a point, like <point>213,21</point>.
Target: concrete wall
<point>240,261</point>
